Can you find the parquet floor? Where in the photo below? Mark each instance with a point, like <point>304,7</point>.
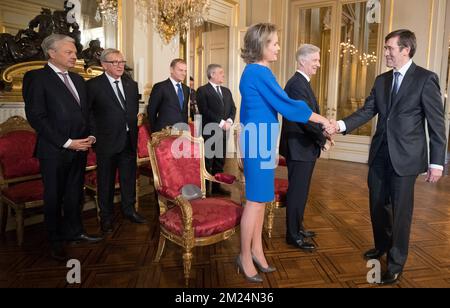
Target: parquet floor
<point>337,211</point>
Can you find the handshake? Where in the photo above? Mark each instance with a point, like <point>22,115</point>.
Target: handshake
<point>330,128</point>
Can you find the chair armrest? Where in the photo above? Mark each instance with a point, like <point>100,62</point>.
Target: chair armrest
<point>168,193</point>
<point>225,178</point>
<point>282,161</point>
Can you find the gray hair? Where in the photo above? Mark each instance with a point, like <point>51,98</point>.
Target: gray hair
<point>50,42</point>
<point>305,50</point>
<point>211,69</point>
<point>107,52</point>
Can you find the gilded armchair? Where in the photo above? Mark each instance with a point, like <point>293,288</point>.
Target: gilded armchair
<point>177,159</point>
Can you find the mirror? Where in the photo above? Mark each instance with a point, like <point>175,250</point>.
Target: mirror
<point>358,61</point>
<point>314,27</point>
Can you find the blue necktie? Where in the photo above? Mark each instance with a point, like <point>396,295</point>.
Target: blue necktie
<point>180,95</point>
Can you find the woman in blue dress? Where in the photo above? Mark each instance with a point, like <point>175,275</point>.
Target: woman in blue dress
<point>262,100</point>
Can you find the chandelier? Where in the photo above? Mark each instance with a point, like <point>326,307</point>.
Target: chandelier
<point>364,58</point>
<point>172,17</point>
<point>108,9</point>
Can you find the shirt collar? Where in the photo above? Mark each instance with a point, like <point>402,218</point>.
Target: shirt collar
<point>55,68</point>
<point>214,85</point>
<point>111,79</point>
<point>174,82</point>
<point>304,75</point>
<point>405,68</point>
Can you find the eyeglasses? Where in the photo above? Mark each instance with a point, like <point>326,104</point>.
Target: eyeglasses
<point>116,63</point>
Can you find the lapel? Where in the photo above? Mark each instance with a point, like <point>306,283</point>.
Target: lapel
<point>110,91</point>
<point>59,83</point>
<point>307,86</point>
<point>126,89</point>
<point>387,88</point>
<point>81,94</point>
<point>407,80</point>
<point>186,95</point>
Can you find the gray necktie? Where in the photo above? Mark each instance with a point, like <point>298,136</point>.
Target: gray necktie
<point>394,89</point>
<point>67,83</point>
<point>219,93</point>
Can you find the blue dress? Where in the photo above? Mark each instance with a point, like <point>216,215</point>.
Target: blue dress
<point>262,100</point>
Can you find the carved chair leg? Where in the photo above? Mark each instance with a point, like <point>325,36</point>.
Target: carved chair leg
<point>161,245</point>
<point>97,206</point>
<point>136,205</point>
<point>270,218</point>
<point>3,216</point>
<point>19,226</point>
<point>187,264</point>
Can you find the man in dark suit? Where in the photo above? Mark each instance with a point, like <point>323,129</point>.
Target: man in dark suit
<point>301,145</point>
<point>216,105</point>
<point>168,103</point>
<point>403,99</point>
<point>114,103</point>
<point>56,107</point>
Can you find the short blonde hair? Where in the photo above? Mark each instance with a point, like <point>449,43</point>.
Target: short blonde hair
<point>255,40</point>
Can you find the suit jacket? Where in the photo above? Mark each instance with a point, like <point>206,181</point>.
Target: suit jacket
<point>108,119</point>
<point>54,113</point>
<point>212,108</point>
<point>301,142</point>
<point>418,99</point>
<point>164,108</point>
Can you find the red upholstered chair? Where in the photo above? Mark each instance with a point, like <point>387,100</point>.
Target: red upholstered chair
<point>20,179</point>
<point>199,222</point>
<point>143,157</point>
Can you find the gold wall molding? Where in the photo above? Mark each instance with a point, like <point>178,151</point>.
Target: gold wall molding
<point>13,78</point>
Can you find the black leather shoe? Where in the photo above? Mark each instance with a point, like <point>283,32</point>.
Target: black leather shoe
<point>307,234</point>
<point>86,238</point>
<point>390,278</point>
<point>373,254</point>
<point>107,227</point>
<point>302,244</point>
<point>135,218</point>
<point>58,252</point>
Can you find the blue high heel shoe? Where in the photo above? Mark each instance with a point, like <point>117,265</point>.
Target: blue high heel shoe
<point>268,269</point>
<point>255,279</point>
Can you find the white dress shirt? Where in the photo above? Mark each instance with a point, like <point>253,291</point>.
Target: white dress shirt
<point>175,83</point>
<point>58,72</point>
<point>402,71</point>
<point>304,75</point>
<point>222,122</point>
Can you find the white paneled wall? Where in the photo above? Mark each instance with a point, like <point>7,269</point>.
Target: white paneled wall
<point>9,110</point>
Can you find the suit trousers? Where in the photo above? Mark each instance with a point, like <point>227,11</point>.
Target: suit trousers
<point>299,174</point>
<point>107,166</point>
<point>391,209</point>
<point>216,164</point>
<point>63,193</point>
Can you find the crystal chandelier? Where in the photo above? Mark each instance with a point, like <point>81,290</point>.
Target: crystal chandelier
<point>172,17</point>
<point>108,9</point>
